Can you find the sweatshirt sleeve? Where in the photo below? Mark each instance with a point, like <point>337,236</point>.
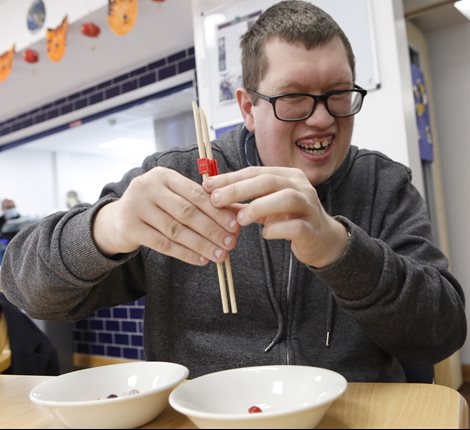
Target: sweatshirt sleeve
<point>54,271</point>
<point>396,284</point>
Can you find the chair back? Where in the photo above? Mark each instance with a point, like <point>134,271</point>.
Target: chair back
<point>5,352</point>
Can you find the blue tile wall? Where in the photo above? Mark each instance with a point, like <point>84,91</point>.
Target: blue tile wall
<point>153,72</point>
<point>116,332</point>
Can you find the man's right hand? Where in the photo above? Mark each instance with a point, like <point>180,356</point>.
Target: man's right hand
<point>169,213</point>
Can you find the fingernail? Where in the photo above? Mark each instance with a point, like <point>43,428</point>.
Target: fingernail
<point>215,197</point>
<point>232,224</point>
<point>202,259</point>
<point>241,216</point>
<point>228,240</point>
<point>218,253</point>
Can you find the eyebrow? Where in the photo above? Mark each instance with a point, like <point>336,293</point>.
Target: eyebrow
<point>296,87</point>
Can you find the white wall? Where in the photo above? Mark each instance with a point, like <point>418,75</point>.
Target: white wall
<point>174,131</point>
<point>28,177</point>
<point>38,181</point>
<point>87,174</point>
<point>449,51</point>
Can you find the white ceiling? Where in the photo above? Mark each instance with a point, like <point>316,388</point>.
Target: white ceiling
<point>135,124</point>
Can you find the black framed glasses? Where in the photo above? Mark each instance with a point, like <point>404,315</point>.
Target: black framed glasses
<point>300,106</point>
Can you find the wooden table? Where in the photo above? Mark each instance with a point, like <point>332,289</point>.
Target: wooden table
<point>364,405</point>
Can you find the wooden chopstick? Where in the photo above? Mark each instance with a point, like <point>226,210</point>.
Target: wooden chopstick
<point>205,151</point>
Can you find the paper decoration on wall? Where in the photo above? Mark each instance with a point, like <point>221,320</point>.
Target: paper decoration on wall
<point>30,56</point>
<point>36,16</point>
<point>57,40</point>
<point>90,29</point>
<point>122,15</point>
<point>6,63</point>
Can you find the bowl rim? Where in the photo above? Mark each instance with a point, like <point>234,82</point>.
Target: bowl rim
<point>82,403</point>
<point>247,416</point>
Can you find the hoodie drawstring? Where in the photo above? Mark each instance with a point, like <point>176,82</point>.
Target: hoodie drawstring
<point>330,309</point>
<point>271,294</point>
<point>331,304</point>
<point>252,158</point>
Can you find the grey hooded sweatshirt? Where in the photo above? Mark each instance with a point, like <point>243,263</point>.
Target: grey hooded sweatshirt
<point>390,298</point>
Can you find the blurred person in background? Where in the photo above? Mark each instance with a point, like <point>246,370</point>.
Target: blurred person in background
<point>9,212</point>
<point>72,199</point>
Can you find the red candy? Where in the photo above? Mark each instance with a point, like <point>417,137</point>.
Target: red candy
<point>254,410</point>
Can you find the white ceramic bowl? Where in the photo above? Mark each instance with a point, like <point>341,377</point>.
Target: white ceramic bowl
<point>79,399</point>
<point>289,397</point>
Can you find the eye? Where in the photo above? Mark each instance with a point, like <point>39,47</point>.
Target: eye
<point>292,98</point>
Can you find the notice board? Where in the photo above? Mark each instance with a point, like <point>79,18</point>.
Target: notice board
<point>224,25</point>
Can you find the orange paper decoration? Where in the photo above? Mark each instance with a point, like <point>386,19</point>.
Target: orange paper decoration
<point>57,40</point>
<point>6,63</point>
<point>122,15</point>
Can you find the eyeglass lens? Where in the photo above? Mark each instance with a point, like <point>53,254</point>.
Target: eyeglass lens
<point>292,107</point>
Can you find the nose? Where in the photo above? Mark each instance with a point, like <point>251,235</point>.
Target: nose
<point>320,117</point>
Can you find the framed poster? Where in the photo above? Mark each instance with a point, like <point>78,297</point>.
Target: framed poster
<point>229,55</point>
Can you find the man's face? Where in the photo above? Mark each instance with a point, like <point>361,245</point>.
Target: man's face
<point>294,69</point>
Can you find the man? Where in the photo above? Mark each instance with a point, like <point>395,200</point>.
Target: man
<point>330,246</point>
<point>9,213</point>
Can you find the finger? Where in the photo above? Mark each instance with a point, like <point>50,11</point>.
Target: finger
<point>291,229</point>
<point>249,189</point>
<point>194,193</point>
<point>283,204</point>
<point>224,179</point>
<point>152,238</point>
<point>178,233</point>
<point>184,213</point>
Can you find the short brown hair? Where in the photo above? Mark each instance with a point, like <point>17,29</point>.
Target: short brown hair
<point>293,21</point>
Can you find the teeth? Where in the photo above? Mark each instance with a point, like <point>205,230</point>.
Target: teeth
<point>319,145</point>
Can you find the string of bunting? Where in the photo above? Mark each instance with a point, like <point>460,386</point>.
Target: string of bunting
<point>121,19</point>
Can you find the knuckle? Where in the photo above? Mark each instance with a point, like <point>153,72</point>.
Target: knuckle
<point>198,194</point>
<point>252,170</point>
<point>164,245</point>
<point>174,230</point>
<point>265,180</point>
<point>213,232</point>
<point>137,183</point>
<point>299,229</point>
<point>290,198</point>
<point>187,211</point>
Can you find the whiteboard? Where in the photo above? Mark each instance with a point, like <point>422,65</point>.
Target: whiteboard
<point>225,24</point>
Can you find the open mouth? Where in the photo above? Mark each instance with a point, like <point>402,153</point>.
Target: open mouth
<point>318,147</point>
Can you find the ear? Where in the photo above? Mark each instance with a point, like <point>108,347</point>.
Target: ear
<point>245,104</point>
